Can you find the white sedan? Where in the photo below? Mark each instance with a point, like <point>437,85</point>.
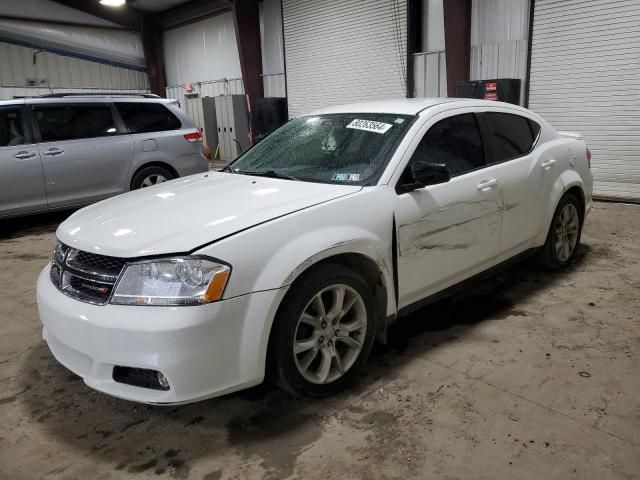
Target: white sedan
<point>296,257</point>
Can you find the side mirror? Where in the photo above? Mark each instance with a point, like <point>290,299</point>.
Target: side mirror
<point>422,174</point>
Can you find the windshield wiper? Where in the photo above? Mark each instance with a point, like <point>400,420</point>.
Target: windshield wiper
<point>268,173</point>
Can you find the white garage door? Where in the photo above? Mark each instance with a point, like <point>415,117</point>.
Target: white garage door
<point>340,51</point>
<point>585,76</point>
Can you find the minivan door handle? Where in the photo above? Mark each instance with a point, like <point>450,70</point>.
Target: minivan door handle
<point>24,155</point>
<point>487,184</point>
<point>547,163</point>
<point>53,151</point>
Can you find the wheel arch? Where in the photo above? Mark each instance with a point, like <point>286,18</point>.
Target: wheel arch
<point>369,269</point>
<point>372,272</point>
<point>152,164</point>
<point>568,183</point>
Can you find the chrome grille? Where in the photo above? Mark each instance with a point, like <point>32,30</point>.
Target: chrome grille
<point>85,276</point>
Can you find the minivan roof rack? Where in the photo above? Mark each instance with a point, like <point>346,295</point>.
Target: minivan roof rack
<point>99,94</point>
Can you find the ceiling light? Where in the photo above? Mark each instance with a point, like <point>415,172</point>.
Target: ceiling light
<point>113,3</point>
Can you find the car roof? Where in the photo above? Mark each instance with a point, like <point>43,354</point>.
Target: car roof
<point>410,106</point>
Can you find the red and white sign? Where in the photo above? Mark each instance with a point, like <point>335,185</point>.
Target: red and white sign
<point>490,87</point>
<point>491,96</point>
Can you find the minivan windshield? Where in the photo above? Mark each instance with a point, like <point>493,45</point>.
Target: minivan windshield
<point>344,148</point>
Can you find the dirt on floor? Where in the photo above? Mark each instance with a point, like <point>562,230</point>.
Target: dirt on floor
<point>533,375</point>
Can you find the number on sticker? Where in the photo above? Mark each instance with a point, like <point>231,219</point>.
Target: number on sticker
<point>369,126</point>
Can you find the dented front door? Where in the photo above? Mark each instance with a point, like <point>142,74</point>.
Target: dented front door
<point>447,233</point>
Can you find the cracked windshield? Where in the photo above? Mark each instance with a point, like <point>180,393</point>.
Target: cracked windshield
<point>338,148</point>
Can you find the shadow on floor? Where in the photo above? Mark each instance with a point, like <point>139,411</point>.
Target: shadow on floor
<point>262,422</point>
<point>16,227</point>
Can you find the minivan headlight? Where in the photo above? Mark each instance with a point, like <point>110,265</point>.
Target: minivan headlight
<point>172,281</point>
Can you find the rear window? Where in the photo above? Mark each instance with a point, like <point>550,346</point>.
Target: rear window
<point>147,117</point>
<point>513,135</point>
<point>71,122</point>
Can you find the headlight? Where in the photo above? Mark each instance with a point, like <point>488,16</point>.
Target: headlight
<point>172,281</point>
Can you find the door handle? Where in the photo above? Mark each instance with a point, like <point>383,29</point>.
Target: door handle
<point>548,163</point>
<point>54,151</point>
<point>487,184</point>
<point>24,155</point>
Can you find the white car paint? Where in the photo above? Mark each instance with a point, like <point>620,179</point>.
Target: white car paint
<point>271,230</point>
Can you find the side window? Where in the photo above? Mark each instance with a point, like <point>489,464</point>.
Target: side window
<point>455,142</point>
<point>11,127</point>
<point>75,121</point>
<point>147,117</point>
<point>535,129</point>
<point>512,135</point>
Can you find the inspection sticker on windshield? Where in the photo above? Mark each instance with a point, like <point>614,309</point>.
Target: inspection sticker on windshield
<point>346,177</point>
<point>370,126</point>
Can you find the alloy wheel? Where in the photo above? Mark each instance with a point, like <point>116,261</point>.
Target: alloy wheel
<point>567,229</point>
<point>330,334</point>
<point>153,179</point>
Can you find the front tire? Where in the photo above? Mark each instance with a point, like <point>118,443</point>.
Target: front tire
<point>564,234</point>
<point>323,332</point>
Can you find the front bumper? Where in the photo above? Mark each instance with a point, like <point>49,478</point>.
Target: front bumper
<point>203,351</point>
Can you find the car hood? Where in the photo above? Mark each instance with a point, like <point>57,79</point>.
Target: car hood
<point>184,214</point>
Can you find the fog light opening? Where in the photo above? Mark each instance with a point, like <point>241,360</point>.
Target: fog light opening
<point>162,380</point>
<point>140,377</point>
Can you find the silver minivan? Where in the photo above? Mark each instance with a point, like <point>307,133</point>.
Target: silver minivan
<point>63,151</point>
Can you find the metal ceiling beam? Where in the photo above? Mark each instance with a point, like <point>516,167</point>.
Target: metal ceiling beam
<point>57,22</point>
<point>125,16</point>
<point>192,11</point>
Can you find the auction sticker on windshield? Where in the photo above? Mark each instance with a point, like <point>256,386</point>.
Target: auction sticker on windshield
<point>369,126</point>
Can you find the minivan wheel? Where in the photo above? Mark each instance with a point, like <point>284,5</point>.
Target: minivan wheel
<point>323,333</point>
<point>150,176</point>
<point>564,234</point>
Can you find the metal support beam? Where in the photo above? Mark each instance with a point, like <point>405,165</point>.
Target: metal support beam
<point>527,82</point>
<point>246,20</point>
<point>457,41</point>
<point>151,37</point>
<point>124,16</point>
<point>414,40</point>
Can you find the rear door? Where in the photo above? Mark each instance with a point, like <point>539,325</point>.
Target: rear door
<point>85,156</point>
<point>21,179</point>
<point>525,180</point>
<point>156,133</point>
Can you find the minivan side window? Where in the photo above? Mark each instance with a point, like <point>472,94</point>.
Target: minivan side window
<point>11,127</point>
<point>59,122</point>
<point>513,135</point>
<point>147,117</point>
<point>455,142</point>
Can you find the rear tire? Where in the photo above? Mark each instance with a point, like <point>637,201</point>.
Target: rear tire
<point>149,176</point>
<point>564,234</point>
<point>323,332</point>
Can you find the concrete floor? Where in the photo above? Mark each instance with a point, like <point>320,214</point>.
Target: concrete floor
<point>536,376</point>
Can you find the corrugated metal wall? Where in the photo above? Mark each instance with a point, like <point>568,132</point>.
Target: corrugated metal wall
<point>202,51</point>
<point>585,76</point>
<point>213,88</point>
<point>430,74</point>
<point>205,54</point>
<point>339,52</point>
<point>272,49</point>
<point>24,72</point>
<point>499,30</point>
